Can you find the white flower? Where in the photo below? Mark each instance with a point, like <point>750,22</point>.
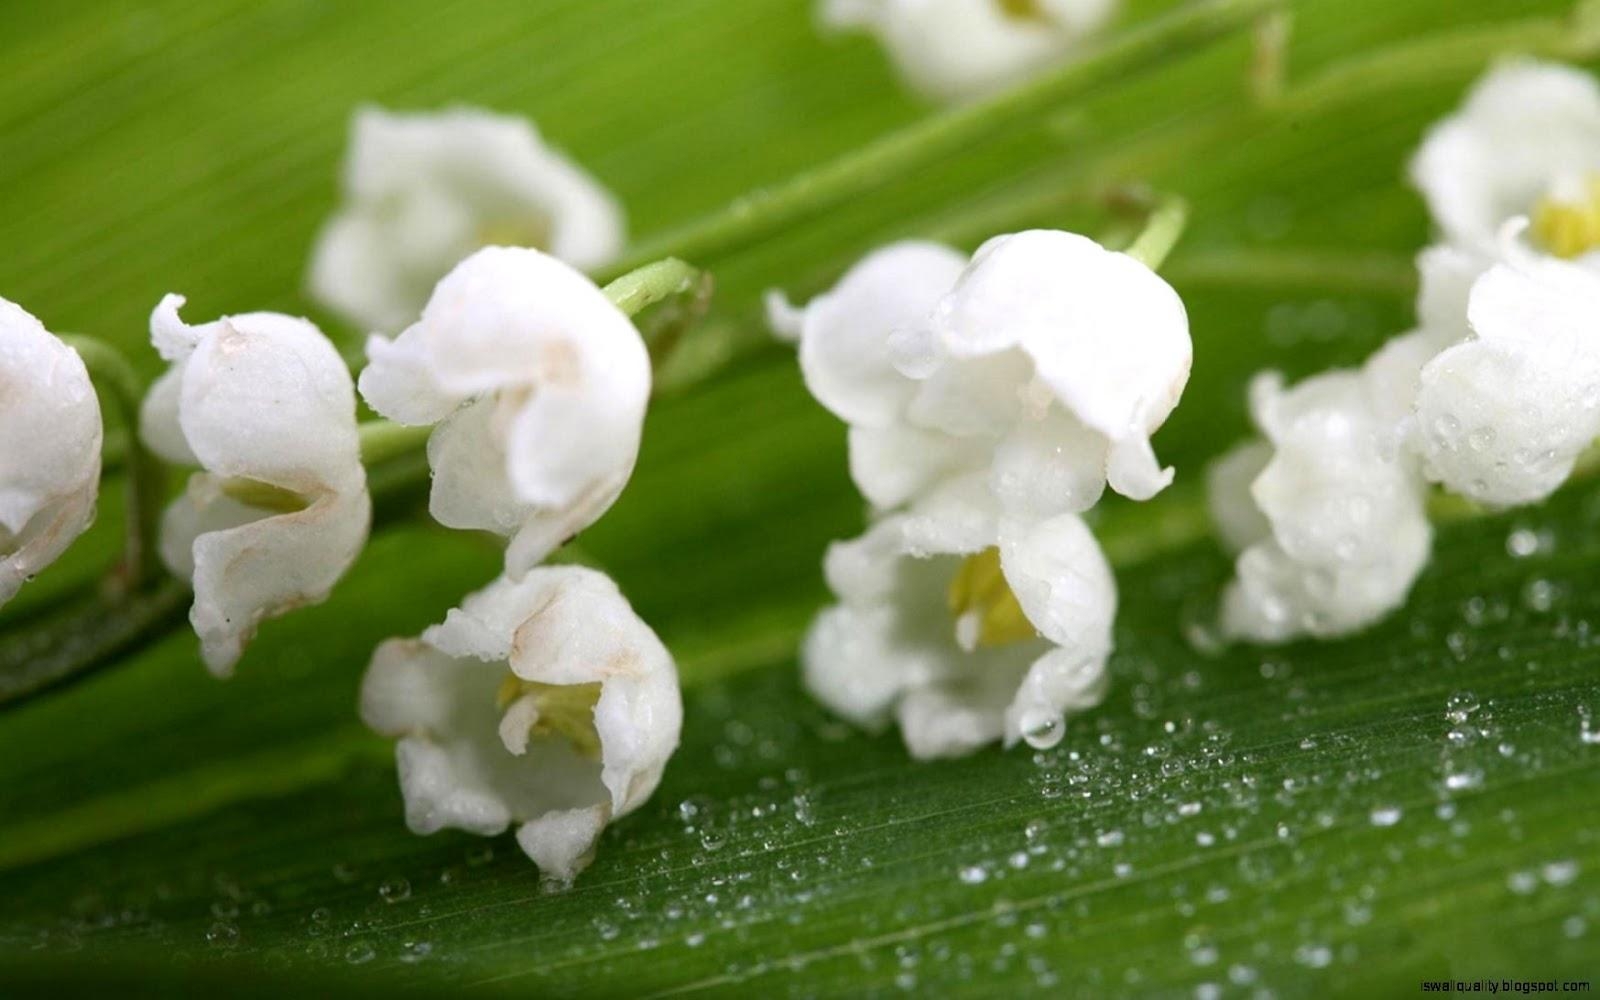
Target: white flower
<point>422,191</point>
<point>1045,364</point>
<point>538,387</point>
<point>264,405</point>
<point>989,402</point>
<point>1525,143</point>
<point>1503,416</point>
<point>963,628</point>
<point>952,49</point>
<point>545,702</point>
<point>1328,513</point>
<point>49,448</point>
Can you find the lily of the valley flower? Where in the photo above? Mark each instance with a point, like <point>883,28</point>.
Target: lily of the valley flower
<point>50,434</point>
<point>953,49</point>
<point>537,385</point>
<point>990,401</point>
<point>264,406</point>
<point>1328,514</point>
<point>546,703</point>
<point>1502,417</point>
<point>1046,362</point>
<point>422,191</point>
<point>964,629</point>
<point>1525,143</point>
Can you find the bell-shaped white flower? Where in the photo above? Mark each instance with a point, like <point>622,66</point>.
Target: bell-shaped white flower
<point>263,404</point>
<point>1525,143</point>
<point>544,702</point>
<point>953,49</point>
<point>1502,417</point>
<point>50,436</point>
<point>537,385</point>
<point>422,191</point>
<point>1328,514</point>
<point>1046,362</point>
<point>964,628</point>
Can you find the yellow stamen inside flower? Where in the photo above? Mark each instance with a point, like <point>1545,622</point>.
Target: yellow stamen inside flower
<point>560,710</point>
<point>264,496</point>
<point>979,594</point>
<point>1569,227</point>
<point>1022,10</point>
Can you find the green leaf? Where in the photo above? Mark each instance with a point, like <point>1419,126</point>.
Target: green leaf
<point>1409,804</point>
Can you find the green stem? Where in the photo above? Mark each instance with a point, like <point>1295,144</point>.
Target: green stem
<point>382,440</point>
<point>1378,273</point>
<point>645,286</point>
<point>146,474</point>
<point>1161,233</point>
<point>1113,59</point>
<point>1269,62</point>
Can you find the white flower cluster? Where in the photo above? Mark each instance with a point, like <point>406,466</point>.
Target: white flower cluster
<point>989,402</point>
<point>1494,397</point>
<point>955,49</point>
<point>543,699</point>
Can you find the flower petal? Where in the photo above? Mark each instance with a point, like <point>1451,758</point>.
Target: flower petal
<point>50,438</point>
<point>845,332</point>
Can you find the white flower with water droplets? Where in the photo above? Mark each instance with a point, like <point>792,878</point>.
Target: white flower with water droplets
<point>1328,514</point>
<point>1045,363</point>
<point>954,49</point>
<point>546,703</point>
<point>422,191</point>
<point>537,385</point>
<point>50,436</point>
<point>1502,417</point>
<point>964,629</point>
<point>990,401</point>
<point>264,406</point>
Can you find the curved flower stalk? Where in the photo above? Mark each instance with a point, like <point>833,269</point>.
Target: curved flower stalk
<point>422,191</point>
<point>1503,416</point>
<point>954,49</point>
<point>264,406</point>
<point>536,385</point>
<point>546,702</point>
<point>50,436</point>
<point>1328,513</point>
<point>990,402</point>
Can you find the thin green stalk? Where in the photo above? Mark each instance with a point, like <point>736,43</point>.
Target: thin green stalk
<point>765,213</point>
<point>1161,233</point>
<point>382,440</point>
<point>645,286</point>
<point>146,474</point>
<point>1449,55</point>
